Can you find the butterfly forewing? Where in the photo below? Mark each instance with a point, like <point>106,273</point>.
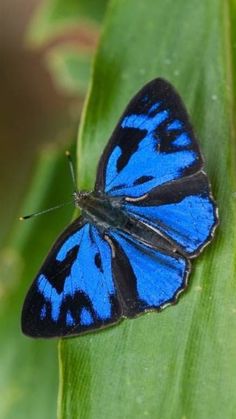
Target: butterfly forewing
<point>74,291</point>
<point>152,144</point>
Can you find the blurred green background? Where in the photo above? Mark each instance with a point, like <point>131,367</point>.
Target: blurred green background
<point>54,54</point>
<point>46,50</point>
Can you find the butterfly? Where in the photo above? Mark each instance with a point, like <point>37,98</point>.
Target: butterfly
<point>151,211</point>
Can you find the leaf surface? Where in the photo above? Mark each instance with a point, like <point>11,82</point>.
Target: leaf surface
<point>180,363</point>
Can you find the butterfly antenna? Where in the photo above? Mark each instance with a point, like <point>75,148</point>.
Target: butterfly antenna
<point>35,214</point>
<point>72,170</point>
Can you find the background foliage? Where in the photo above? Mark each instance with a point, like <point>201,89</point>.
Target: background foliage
<point>29,369</point>
<point>181,363</point>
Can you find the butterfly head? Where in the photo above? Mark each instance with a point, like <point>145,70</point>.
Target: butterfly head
<point>80,198</point>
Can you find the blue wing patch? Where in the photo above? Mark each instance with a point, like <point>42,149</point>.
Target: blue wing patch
<point>148,278</point>
<point>74,291</point>
<point>152,144</point>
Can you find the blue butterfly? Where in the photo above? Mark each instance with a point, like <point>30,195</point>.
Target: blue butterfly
<point>150,212</point>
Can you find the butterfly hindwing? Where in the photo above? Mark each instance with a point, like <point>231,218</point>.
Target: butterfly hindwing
<point>148,279</point>
<point>74,291</point>
<point>182,210</point>
<point>152,144</point>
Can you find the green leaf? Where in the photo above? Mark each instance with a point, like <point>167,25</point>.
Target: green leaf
<point>29,376</point>
<point>180,363</point>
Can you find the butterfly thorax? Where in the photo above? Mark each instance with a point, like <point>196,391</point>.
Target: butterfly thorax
<point>100,209</point>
